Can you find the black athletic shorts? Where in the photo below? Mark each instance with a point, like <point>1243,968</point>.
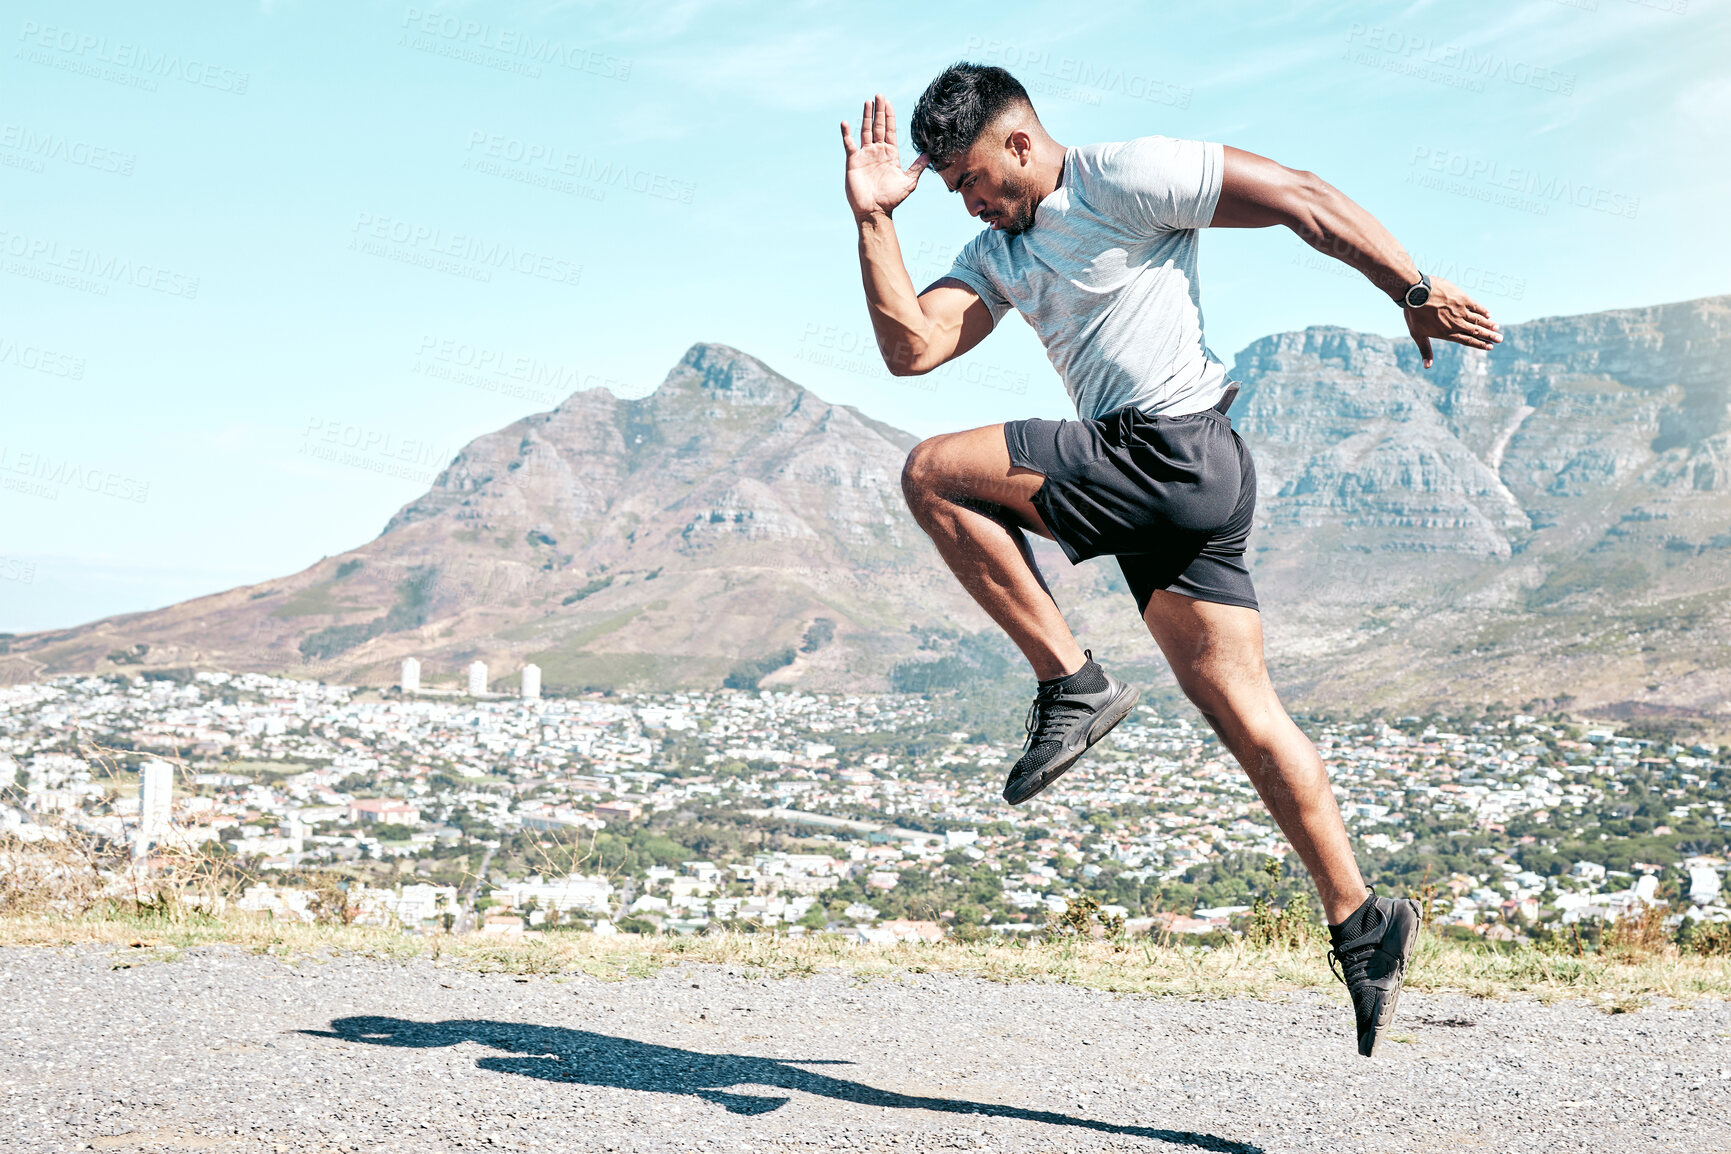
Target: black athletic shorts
<point>1171,497</point>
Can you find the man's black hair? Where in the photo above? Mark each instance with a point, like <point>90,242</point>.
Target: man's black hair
<point>957,106</point>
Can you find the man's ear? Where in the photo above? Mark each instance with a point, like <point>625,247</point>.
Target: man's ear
<point>1022,145</point>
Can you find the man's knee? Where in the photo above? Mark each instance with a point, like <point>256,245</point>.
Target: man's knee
<point>922,474</point>
<point>1210,701</point>
<point>1229,694</point>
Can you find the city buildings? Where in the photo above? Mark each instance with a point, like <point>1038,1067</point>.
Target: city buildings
<point>881,809</point>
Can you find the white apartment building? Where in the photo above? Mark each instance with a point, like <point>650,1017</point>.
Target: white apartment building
<point>155,805</point>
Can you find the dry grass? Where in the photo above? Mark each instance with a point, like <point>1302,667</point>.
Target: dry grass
<point>66,892</point>
<point>1138,966</point>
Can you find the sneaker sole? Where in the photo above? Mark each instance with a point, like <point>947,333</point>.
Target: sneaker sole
<point>1116,710</point>
<point>1387,1017</point>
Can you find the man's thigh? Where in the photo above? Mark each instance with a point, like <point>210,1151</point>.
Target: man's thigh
<point>973,468</point>
<point>1215,652</point>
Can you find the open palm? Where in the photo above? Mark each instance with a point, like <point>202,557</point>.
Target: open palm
<point>876,181</point>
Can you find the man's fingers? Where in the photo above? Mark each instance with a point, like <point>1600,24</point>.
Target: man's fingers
<point>920,164</point>
<point>878,107</point>
<point>1468,316</point>
<point>1423,344</point>
<point>847,143</point>
<point>1477,314</point>
<point>1452,328</point>
<point>1463,336</point>
<point>889,122</point>
<point>1482,331</point>
<point>865,125</point>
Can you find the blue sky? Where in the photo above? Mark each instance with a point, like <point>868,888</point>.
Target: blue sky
<point>264,269</point>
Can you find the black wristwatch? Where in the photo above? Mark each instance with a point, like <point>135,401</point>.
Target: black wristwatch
<point>1416,296</point>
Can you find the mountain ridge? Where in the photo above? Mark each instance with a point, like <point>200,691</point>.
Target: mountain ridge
<point>1549,521</point>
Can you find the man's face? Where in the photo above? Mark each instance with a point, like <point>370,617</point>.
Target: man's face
<point>995,181</point>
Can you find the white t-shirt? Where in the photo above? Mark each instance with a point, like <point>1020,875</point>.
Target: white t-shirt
<point>1107,275</point>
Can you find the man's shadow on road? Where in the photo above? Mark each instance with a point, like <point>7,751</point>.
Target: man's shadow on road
<point>555,1054</point>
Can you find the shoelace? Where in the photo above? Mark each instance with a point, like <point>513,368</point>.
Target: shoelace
<point>1044,711</point>
<point>1354,956</point>
<point>1356,967</point>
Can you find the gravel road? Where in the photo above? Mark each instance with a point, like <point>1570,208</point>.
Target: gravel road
<point>223,1050</point>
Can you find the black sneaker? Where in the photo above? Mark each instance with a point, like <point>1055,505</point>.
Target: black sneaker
<point>1068,715</point>
<point>1370,955</point>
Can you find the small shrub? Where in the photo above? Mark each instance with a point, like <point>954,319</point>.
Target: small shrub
<point>1292,928</point>
<point>587,590</point>
<point>1711,940</point>
<point>818,634</point>
<point>1425,896</point>
<point>1081,918</point>
<point>133,656</point>
<point>1638,935</point>
<point>326,643</point>
<point>747,674</point>
<point>329,901</point>
<point>1077,920</point>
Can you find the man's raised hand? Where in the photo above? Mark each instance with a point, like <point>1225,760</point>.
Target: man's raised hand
<point>1450,315</point>
<point>876,181</point>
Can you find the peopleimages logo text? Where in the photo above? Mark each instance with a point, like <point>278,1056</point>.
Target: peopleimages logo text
<point>512,42</point>
<point>562,162</point>
<point>42,467</point>
<point>40,360</point>
<point>48,146</point>
<point>122,54</point>
<point>514,366</point>
<point>411,237</point>
<point>1530,182</point>
<point>1087,76</point>
<point>376,442</point>
<point>1455,58</point>
<point>90,262</point>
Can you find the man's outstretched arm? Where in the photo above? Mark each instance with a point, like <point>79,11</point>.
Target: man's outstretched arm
<point>916,332</point>
<point>1256,192</point>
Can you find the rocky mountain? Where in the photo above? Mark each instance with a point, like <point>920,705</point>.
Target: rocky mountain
<point>730,525</point>
<point>1548,521</point>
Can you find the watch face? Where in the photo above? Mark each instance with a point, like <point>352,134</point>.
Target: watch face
<point>1417,295</point>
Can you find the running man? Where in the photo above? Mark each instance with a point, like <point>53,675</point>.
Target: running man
<point>1096,247</point>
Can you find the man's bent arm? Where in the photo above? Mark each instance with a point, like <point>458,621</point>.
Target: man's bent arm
<point>916,332</point>
<point>1257,192</point>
